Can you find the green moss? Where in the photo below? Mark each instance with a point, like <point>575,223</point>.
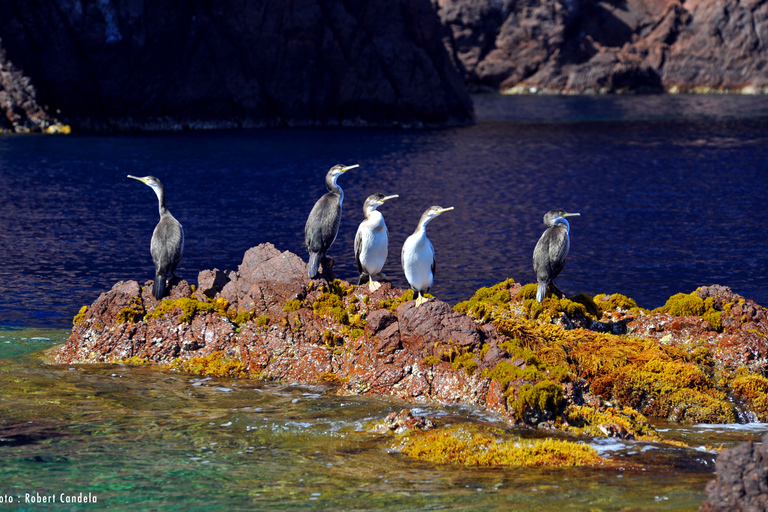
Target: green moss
<point>606,303</point>
<point>585,420</point>
<point>392,304</point>
<point>243,317</point>
<point>136,361</point>
<point>331,340</point>
<point>753,391</point>
<point>467,362</point>
<point>80,316</point>
<point>528,291</point>
<point>133,313</point>
<point>486,301</point>
<point>330,304</point>
<point>189,308</point>
<point>545,396</point>
<point>263,321</point>
<point>691,304</point>
<point>216,364</point>
<point>431,361</point>
<point>464,447</point>
<point>292,305</point>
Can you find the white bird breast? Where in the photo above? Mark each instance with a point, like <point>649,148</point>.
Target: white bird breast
<point>418,255</point>
<point>373,244</point>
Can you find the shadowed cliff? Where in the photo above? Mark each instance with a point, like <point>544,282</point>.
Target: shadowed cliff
<point>168,65</point>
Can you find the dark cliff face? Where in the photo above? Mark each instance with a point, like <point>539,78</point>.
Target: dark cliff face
<point>629,45</point>
<point>121,64</point>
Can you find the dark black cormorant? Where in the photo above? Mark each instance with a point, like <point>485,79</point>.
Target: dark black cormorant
<point>371,242</point>
<point>167,240</point>
<point>324,220</point>
<point>418,256</point>
<point>551,251</point>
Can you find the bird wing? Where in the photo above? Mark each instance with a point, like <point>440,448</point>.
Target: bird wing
<point>434,261</point>
<point>323,224</point>
<point>358,246</point>
<point>558,249</point>
<point>167,245</point>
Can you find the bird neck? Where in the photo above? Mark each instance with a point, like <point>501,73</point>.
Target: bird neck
<point>332,186</point>
<point>372,214</point>
<point>160,193</point>
<point>561,220</point>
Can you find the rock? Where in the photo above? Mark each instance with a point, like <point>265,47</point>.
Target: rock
<point>164,65</point>
<point>266,280</point>
<point>584,46</point>
<point>742,480</point>
<point>399,422</point>
<point>741,343</point>
<point>210,282</point>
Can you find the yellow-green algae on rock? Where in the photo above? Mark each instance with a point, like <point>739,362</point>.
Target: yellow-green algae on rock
<point>640,376</point>
<point>465,445</point>
<point>216,364</point>
<point>682,304</point>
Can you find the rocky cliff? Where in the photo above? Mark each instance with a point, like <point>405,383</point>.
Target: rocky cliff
<point>125,64</point>
<point>608,46</point>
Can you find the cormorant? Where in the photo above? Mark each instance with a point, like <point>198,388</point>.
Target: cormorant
<point>324,220</point>
<point>551,251</point>
<point>371,242</point>
<point>167,239</point>
<point>418,256</point>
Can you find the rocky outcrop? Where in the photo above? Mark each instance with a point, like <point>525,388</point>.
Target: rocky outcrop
<point>115,65</point>
<point>587,365</point>
<point>583,46</point>
<point>737,339</point>
<point>742,480</point>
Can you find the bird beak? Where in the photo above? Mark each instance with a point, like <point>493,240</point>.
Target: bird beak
<point>571,214</point>
<point>389,197</point>
<point>349,167</point>
<point>443,210</point>
<point>136,178</point>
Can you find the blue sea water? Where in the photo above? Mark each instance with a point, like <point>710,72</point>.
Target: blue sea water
<point>671,191</point>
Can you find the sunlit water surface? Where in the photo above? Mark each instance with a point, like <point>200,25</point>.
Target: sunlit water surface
<point>671,191</point>
<point>141,438</point>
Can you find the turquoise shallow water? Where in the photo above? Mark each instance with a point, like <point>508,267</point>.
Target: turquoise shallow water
<point>142,438</point>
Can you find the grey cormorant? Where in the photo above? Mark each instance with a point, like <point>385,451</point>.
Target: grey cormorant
<point>324,220</point>
<point>167,239</point>
<point>371,242</point>
<point>418,256</point>
<point>551,251</point>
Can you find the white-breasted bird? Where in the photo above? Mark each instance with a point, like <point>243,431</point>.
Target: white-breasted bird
<point>371,242</point>
<point>418,256</point>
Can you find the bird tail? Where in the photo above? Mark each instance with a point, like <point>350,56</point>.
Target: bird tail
<point>541,291</point>
<point>314,264</point>
<point>158,289</point>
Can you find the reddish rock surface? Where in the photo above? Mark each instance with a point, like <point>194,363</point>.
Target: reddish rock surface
<point>399,353</point>
<point>742,480</point>
<point>742,341</point>
<point>634,45</point>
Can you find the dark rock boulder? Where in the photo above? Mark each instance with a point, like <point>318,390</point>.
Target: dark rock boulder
<point>742,480</point>
<point>168,65</point>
